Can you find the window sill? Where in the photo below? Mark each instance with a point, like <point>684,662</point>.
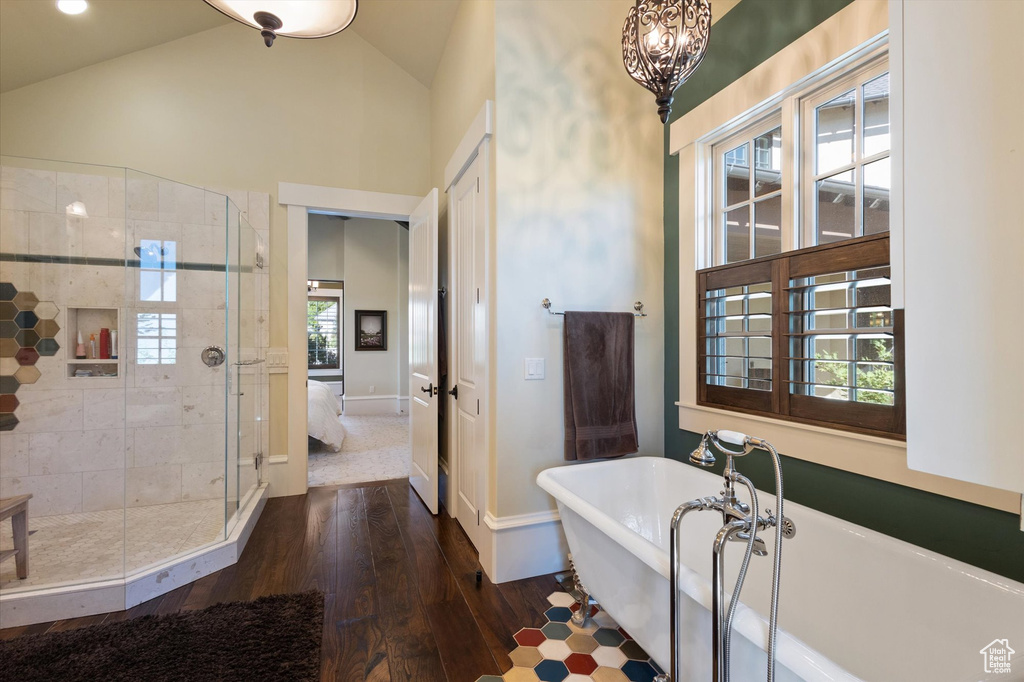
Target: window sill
<point>871,456</point>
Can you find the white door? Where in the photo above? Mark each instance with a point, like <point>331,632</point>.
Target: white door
<point>423,348</point>
<point>468,365</point>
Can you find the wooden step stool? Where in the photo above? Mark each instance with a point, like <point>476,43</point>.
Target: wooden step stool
<point>17,509</point>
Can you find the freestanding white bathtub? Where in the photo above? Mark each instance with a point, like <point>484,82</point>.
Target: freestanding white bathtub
<point>854,604</point>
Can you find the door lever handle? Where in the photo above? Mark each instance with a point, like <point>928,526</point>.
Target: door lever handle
<point>429,389</point>
<point>454,392</point>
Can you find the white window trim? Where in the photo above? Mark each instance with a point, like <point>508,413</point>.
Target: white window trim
<point>830,47</point>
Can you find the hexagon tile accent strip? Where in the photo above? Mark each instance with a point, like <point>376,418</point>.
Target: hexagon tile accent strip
<point>562,652</point>
<point>27,330</point>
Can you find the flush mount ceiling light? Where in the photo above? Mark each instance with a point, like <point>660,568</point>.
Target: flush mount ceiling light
<point>290,18</point>
<point>72,6</point>
<point>663,42</point>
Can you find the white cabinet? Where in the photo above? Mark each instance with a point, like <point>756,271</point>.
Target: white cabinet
<point>961,95</point>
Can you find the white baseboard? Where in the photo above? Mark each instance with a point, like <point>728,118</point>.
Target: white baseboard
<point>70,601</point>
<point>526,545</point>
<point>361,405</point>
<point>402,405</point>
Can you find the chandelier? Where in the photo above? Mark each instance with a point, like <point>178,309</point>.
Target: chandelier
<point>290,18</point>
<point>663,42</point>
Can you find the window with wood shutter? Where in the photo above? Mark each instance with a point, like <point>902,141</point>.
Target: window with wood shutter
<point>807,335</point>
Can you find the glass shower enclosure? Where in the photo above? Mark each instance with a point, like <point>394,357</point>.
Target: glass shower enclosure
<point>133,314</point>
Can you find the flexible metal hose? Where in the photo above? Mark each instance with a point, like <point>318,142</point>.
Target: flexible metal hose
<point>741,576</point>
<point>773,621</point>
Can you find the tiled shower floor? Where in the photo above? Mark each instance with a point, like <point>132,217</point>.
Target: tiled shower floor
<point>71,548</point>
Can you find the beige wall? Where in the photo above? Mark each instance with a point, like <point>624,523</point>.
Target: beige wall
<point>464,81</point>
<point>326,248</point>
<point>372,251</point>
<point>219,109</point>
<point>579,221</point>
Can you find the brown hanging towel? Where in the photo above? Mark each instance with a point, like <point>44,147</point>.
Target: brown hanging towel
<point>599,394</point>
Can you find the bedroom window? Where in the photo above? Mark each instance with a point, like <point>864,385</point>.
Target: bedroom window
<point>323,331</point>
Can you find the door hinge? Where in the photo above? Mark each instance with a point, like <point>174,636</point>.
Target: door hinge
<point>478,294</point>
<point>478,407</point>
<point>478,184</point>
<point>478,517</point>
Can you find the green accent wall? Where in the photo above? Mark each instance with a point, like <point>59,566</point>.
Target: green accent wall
<point>748,35</point>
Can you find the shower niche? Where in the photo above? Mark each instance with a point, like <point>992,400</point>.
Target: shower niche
<point>89,322</point>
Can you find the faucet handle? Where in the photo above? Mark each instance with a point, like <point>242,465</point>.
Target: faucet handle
<point>788,528</point>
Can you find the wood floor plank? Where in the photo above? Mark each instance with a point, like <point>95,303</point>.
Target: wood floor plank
<point>317,557</point>
<point>18,631</point>
<point>412,650</point>
<point>287,543</point>
<point>75,623</point>
<point>460,643</point>
<point>497,619</point>
<point>434,577</point>
<point>353,648</point>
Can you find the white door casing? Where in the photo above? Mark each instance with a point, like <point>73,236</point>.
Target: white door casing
<point>468,359</point>
<point>423,384</point>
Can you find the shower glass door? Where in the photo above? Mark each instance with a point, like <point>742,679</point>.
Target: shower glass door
<point>245,387</point>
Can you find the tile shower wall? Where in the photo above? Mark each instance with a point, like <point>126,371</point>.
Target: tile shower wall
<point>155,434</point>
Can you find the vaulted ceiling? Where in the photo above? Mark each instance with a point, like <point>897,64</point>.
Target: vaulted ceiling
<point>38,42</point>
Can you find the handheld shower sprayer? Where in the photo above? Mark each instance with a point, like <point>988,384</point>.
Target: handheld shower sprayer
<point>741,522</point>
<point>703,456</point>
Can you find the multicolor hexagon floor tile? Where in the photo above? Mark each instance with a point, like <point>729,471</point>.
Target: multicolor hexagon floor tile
<point>27,331</point>
<point>562,652</point>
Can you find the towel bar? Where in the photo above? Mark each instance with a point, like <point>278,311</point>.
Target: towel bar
<point>638,307</point>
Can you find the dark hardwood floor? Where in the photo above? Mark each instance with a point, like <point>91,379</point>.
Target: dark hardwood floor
<point>402,600</point>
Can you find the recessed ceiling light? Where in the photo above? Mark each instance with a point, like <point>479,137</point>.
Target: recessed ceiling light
<point>72,6</point>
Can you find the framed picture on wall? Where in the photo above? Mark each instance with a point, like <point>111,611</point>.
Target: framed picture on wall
<point>371,330</point>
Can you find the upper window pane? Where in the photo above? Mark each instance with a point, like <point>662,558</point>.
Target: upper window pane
<point>768,162</point>
<point>877,182</point>
<point>834,214</point>
<point>875,95</point>
<point>737,234</point>
<point>768,227</point>
<point>737,175</point>
<point>834,133</point>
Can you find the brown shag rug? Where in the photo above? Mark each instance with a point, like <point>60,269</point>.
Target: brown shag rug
<point>271,638</point>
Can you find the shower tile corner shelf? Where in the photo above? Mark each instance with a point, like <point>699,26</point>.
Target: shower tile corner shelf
<point>89,320</point>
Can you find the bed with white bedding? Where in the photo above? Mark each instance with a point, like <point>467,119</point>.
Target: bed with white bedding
<point>324,424</point>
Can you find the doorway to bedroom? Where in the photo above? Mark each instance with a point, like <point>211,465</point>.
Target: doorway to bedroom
<point>357,343</point>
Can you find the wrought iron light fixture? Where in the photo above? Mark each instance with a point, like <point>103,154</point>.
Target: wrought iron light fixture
<point>290,18</point>
<point>663,42</point>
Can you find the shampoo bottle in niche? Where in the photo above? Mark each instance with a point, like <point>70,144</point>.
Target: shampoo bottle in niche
<point>113,344</point>
<point>80,348</point>
<point>104,343</point>
<point>92,346</point>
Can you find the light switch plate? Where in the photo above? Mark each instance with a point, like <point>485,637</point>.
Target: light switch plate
<point>534,369</point>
